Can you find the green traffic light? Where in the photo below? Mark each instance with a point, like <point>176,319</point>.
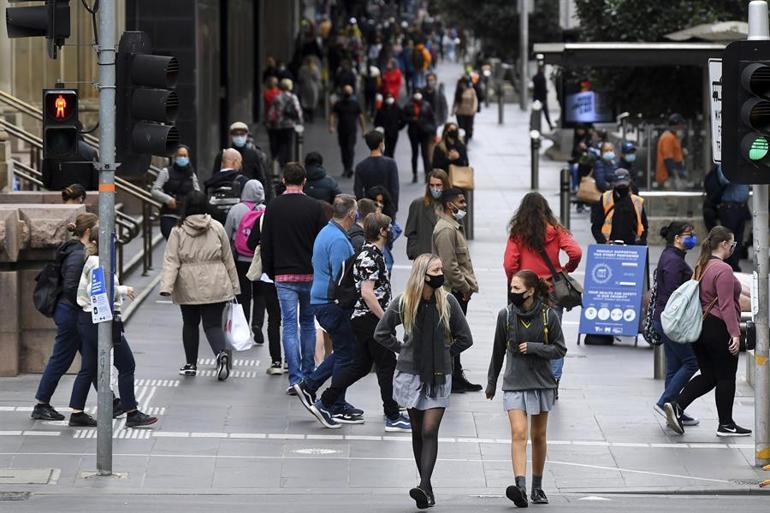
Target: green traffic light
<point>759,149</point>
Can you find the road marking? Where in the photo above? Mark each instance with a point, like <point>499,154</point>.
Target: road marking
<point>236,363</point>
<point>156,382</point>
<point>233,374</point>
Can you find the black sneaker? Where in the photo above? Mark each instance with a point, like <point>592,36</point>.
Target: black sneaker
<point>276,369</point>
<point>138,419</point>
<point>306,396</point>
<point>732,430</point>
<point>45,412</point>
<point>324,416</point>
<point>82,419</point>
<point>421,498</point>
<point>346,417</point>
<point>674,417</point>
<point>517,495</point>
<point>223,366</point>
<point>188,370</point>
<point>117,409</point>
<point>538,496</point>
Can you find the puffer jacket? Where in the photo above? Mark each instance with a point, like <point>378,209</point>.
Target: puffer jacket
<point>198,265</point>
<point>320,185</point>
<point>72,255</point>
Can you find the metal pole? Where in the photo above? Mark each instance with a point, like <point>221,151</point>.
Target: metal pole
<point>648,142</point>
<point>758,29</point>
<point>106,54</point>
<point>524,53</point>
<point>299,147</point>
<point>500,102</point>
<point>564,197</point>
<point>659,362</point>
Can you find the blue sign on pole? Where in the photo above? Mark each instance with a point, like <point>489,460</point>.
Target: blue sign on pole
<point>613,290</point>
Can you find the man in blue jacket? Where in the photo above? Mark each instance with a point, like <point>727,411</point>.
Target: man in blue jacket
<point>733,212</point>
<point>330,251</point>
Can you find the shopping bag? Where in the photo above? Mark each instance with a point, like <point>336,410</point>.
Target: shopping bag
<point>237,330</point>
<point>587,191</point>
<point>461,176</point>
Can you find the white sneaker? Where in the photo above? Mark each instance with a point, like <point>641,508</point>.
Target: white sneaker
<point>276,369</point>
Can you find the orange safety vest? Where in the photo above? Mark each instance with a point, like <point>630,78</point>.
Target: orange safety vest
<point>608,202</point>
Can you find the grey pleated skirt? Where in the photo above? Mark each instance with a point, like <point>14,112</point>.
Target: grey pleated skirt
<point>409,393</point>
<point>533,402</point>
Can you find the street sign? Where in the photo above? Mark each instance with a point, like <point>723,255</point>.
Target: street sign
<point>613,289</point>
<point>715,80</point>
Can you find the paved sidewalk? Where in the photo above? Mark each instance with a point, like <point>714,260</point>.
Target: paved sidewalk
<point>246,436</point>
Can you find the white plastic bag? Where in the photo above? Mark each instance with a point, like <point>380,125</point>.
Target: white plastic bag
<point>237,330</point>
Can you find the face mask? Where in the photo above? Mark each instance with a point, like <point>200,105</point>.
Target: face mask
<point>182,161</point>
<point>690,242</point>
<point>347,95</point>
<point>452,134</point>
<point>460,214</point>
<point>431,84</point>
<point>418,97</point>
<point>680,134</point>
<point>390,101</point>
<point>609,156</point>
<point>630,157</point>
<point>517,299</point>
<point>239,140</point>
<point>435,282</point>
<point>436,192</point>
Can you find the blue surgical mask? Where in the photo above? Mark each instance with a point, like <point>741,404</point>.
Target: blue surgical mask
<point>182,161</point>
<point>436,192</point>
<point>239,140</point>
<point>630,157</point>
<point>690,241</point>
<point>609,156</point>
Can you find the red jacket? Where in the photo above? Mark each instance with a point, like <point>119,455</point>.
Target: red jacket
<point>518,257</point>
<point>391,82</point>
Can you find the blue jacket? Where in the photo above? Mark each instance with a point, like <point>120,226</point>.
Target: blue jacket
<point>733,192</point>
<point>672,271</point>
<point>330,250</point>
<point>604,174</point>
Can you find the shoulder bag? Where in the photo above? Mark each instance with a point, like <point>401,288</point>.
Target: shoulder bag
<point>567,292</point>
<point>587,191</point>
<point>461,177</point>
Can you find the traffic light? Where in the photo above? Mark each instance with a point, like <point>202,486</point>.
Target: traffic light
<point>51,20</point>
<point>60,124</point>
<point>746,112</point>
<point>146,104</point>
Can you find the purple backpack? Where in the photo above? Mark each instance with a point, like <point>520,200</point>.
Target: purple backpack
<point>244,230</point>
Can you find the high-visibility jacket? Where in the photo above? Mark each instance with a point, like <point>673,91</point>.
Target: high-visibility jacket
<point>608,203</point>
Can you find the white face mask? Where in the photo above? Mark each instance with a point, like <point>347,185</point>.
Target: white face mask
<point>418,97</point>
<point>390,101</point>
<point>459,214</point>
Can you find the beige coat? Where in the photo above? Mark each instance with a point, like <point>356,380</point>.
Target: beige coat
<point>468,104</point>
<point>198,266</point>
<point>450,245</point>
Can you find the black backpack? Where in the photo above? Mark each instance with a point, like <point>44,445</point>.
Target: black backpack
<point>343,289</point>
<point>225,196</point>
<point>48,287</point>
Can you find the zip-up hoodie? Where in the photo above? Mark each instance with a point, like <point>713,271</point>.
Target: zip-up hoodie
<point>530,371</point>
<point>252,196</point>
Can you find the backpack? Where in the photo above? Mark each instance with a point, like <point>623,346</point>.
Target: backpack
<point>48,288</point>
<point>649,332</point>
<point>682,318</point>
<point>244,230</point>
<point>225,196</point>
<point>714,188</point>
<point>343,289</point>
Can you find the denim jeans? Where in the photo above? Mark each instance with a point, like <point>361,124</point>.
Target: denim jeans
<point>123,360</point>
<point>681,365</point>
<point>336,322</point>
<point>65,347</point>
<point>298,329</point>
<point>557,365</point>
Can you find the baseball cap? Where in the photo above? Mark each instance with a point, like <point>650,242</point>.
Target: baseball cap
<point>622,178</point>
<point>676,119</point>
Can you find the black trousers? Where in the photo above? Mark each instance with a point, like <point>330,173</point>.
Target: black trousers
<point>284,142</point>
<point>167,224</point>
<point>420,146</point>
<point>211,314</point>
<point>717,369</point>
<point>733,217</point>
<point>247,286</point>
<point>366,351</point>
<point>390,144</point>
<point>457,367</point>
<point>266,298</point>
<point>466,123</point>
<point>347,142</point>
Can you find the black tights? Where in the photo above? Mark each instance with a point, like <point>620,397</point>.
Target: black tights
<point>211,314</point>
<point>425,424</point>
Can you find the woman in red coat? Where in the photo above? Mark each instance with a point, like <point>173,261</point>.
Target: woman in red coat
<point>534,229</point>
<point>392,80</point>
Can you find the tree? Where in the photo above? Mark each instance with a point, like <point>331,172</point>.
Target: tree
<point>650,90</point>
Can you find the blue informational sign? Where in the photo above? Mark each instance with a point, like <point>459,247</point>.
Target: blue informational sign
<point>101,310</point>
<point>613,289</point>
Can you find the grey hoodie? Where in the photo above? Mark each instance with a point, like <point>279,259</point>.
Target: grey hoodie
<point>253,195</point>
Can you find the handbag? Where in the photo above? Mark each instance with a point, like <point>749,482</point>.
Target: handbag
<point>255,269</point>
<point>118,330</point>
<point>649,332</point>
<point>461,177</point>
<point>748,336</point>
<point>567,292</point>
<point>236,328</point>
<point>587,191</point>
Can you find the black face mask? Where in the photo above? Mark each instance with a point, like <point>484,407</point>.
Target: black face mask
<point>452,134</point>
<point>435,282</point>
<point>518,299</point>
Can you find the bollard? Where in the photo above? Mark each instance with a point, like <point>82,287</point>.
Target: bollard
<point>299,142</point>
<point>500,103</point>
<point>534,150</point>
<point>659,362</point>
<point>564,197</point>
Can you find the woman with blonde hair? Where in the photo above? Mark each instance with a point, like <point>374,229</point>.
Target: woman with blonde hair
<point>435,330</point>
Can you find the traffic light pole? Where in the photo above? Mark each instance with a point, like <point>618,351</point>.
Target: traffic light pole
<point>758,30</point>
<point>106,54</point>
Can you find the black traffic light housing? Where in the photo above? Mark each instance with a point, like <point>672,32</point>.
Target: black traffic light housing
<point>60,124</point>
<point>746,112</point>
<point>146,104</point>
<point>51,20</point>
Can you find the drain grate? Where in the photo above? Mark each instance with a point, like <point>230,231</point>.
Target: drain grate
<point>14,496</point>
<point>26,475</point>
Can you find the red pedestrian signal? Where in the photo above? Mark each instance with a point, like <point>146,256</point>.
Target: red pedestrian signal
<point>60,105</point>
<point>60,124</point>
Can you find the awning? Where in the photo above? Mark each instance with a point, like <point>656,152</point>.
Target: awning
<point>629,54</point>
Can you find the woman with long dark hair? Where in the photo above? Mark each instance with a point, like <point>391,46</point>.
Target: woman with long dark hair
<point>535,236</point>
<point>199,274</point>
<point>528,337</point>
<point>435,330</point>
<point>717,348</point>
<point>450,151</point>
<point>172,185</point>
